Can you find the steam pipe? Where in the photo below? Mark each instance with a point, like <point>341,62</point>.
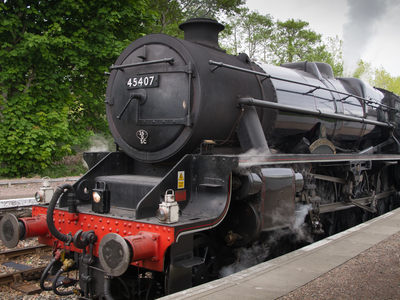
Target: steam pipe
<point>289,108</point>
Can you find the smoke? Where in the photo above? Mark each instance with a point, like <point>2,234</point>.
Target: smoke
<point>300,215</point>
<point>363,17</point>
<point>98,143</point>
<point>298,227</point>
<point>253,157</point>
<point>246,258</point>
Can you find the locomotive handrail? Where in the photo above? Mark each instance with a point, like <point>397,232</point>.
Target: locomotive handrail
<point>289,108</point>
<point>315,87</point>
<point>169,60</point>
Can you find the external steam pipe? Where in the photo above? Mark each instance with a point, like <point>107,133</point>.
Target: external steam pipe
<point>289,108</point>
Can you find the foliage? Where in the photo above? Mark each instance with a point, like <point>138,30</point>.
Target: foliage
<point>53,55</point>
<point>292,41</point>
<point>63,169</point>
<point>363,71</point>
<point>334,50</point>
<point>248,31</point>
<point>270,41</point>
<point>384,80</point>
<point>377,77</point>
<point>170,13</point>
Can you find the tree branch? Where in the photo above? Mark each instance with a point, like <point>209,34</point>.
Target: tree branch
<point>29,82</point>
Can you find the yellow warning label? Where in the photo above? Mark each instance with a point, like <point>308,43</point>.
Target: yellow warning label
<point>181,184</point>
<point>181,179</point>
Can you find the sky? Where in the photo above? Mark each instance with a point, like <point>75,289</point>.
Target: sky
<point>369,29</point>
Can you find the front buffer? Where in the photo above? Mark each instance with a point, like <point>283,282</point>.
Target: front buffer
<point>123,243</point>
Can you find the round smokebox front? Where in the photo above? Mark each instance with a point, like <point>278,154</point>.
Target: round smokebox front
<point>148,98</point>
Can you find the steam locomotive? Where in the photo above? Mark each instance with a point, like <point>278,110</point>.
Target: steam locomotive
<point>214,152</point>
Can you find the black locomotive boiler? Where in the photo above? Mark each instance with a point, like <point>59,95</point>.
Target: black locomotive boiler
<point>214,152</point>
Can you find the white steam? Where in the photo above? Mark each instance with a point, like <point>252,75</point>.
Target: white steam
<point>99,143</point>
<point>299,227</point>
<point>253,157</point>
<point>246,258</point>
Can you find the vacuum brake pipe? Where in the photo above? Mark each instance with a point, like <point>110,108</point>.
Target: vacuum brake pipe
<point>50,223</point>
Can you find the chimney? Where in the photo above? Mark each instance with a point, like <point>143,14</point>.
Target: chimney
<point>203,31</point>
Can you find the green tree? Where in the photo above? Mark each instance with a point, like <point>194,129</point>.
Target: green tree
<point>170,13</point>
<point>364,71</point>
<point>279,42</point>
<point>384,80</point>
<point>53,55</point>
<point>293,41</point>
<point>334,46</point>
<point>377,77</point>
<point>248,32</point>
<point>330,53</point>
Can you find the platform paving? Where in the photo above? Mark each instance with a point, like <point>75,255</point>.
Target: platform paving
<point>278,277</point>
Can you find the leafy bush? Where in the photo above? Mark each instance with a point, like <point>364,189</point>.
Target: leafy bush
<point>53,55</point>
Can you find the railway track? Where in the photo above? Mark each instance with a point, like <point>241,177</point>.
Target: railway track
<point>10,183</point>
<point>13,253</point>
<point>19,276</point>
<point>24,277</point>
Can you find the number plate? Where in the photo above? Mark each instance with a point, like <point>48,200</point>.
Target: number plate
<point>143,81</point>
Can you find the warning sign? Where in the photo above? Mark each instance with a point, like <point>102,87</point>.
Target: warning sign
<point>181,179</point>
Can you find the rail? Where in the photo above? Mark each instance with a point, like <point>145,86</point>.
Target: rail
<point>17,202</point>
<point>8,254</point>
<point>31,274</point>
<point>11,182</point>
<point>169,60</point>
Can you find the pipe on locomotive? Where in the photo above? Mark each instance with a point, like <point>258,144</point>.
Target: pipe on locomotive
<point>289,108</point>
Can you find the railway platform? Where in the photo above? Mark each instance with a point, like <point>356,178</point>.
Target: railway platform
<point>362,262</point>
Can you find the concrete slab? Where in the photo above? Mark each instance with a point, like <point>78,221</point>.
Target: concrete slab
<point>284,274</point>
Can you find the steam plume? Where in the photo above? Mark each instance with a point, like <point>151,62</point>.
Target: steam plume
<point>363,16</point>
